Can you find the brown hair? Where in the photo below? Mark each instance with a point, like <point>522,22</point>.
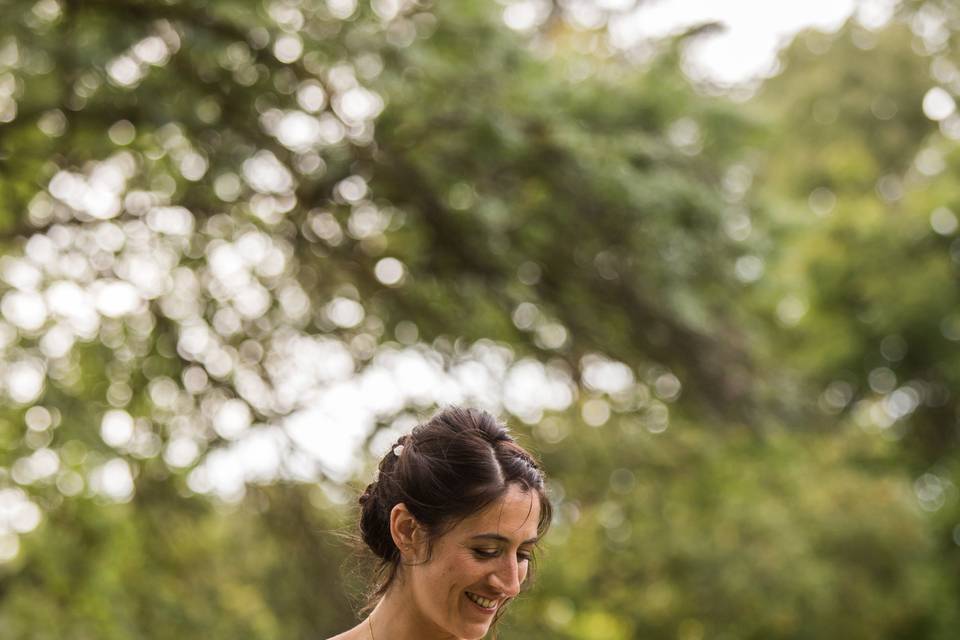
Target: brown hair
<point>452,466</point>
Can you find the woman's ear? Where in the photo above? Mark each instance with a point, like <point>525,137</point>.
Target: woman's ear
<point>406,532</point>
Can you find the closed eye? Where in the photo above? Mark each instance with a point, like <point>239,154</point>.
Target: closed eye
<point>487,554</point>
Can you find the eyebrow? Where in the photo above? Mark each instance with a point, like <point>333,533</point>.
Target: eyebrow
<point>500,538</point>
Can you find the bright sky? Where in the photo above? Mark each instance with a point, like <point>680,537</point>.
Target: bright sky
<point>755,29</point>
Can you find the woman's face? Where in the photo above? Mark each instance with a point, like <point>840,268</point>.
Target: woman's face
<point>478,566</point>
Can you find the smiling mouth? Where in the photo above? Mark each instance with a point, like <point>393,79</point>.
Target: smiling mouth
<point>484,603</point>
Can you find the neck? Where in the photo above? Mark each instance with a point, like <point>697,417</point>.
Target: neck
<point>397,617</point>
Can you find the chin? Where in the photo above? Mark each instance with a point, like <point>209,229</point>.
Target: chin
<point>473,632</point>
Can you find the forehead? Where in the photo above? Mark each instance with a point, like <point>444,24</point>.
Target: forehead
<point>514,515</point>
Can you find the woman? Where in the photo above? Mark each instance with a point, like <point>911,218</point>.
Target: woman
<point>454,517</point>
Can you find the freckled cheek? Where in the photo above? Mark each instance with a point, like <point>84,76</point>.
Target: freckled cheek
<point>467,564</point>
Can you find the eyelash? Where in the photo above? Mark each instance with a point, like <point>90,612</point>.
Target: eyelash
<point>489,555</point>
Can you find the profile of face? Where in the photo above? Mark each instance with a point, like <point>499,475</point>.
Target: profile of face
<point>473,569</point>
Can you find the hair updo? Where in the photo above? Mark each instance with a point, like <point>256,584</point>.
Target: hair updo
<point>450,467</point>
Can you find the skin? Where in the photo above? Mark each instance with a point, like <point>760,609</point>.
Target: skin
<point>487,554</point>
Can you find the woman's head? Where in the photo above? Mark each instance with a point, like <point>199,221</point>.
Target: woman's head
<point>453,517</point>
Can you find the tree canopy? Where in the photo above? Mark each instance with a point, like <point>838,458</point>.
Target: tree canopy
<point>244,242</point>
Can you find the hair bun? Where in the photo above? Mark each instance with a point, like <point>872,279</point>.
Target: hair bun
<point>375,523</point>
<point>367,493</point>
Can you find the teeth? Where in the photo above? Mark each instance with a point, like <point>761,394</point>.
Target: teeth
<point>486,603</point>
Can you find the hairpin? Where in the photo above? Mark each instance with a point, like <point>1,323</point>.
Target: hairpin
<point>397,450</point>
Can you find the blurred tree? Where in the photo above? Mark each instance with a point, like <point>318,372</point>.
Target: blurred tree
<point>201,195</point>
<point>213,214</point>
<point>163,567</point>
<point>859,274</point>
<point>194,195</point>
<point>863,259</point>
<point>699,533</point>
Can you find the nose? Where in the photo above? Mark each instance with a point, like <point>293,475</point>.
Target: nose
<point>507,577</point>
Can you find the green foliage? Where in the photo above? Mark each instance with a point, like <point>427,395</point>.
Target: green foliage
<point>193,196</point>
<point>718,535</point>
<point>166,567</point>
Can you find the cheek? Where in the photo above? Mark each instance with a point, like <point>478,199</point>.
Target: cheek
<point>465,572</point>
<point>451,572</point>
<point>466,569</point>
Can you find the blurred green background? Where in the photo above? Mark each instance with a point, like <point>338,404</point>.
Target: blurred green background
<point>246,244</point>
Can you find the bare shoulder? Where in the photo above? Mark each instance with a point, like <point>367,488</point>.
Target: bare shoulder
<point>352,634</point>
